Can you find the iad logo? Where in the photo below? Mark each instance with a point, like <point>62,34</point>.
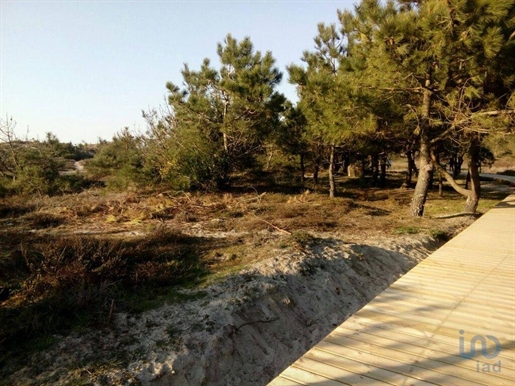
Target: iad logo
<point>481,367</point>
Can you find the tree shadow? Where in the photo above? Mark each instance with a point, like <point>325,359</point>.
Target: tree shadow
<point>54,284</point>
<point>508,203</point>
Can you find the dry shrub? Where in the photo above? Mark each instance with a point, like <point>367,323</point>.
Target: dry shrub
<point>15,206</point>
<point>86,210</point>
<point>310,212</point>
<point>292,211</point>
<point>44,220</point>
<point>58,282</point>
<point>159,272</point>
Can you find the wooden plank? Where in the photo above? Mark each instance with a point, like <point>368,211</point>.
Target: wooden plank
<point>465,273</point>
<point>359,367</point>
<point>458,309</point>
<point>406,340</point>
<point>380,354</point>
<point>455,290</point>
<point>434,313</point>
<point>280,381</point>
<point>428,324</point>
<point>462,275</point>
<point>305,377</point>
<point>333,345</point>
<point>398,328</point>
<point>483,300</point>
<point>446,290</point>
<point>424,353</point>
<point>335,373</point>
<point>474,259</point>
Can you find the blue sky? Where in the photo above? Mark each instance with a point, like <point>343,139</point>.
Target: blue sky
<point>85,69</point>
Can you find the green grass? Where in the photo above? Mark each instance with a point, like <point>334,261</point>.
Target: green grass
<point>439,235</point>
<point>407,230</point>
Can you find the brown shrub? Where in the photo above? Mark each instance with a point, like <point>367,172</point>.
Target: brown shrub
<point>58,282</point>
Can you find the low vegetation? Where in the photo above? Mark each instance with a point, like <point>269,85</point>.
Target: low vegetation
<point>73,261</point>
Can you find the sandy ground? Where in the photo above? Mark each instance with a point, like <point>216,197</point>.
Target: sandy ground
<point>242,331</point>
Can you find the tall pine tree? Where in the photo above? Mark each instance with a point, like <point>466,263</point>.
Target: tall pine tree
<point>224,116</point>
<point>452,54</point>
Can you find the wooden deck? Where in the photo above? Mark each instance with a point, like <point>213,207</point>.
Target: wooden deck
<point>419,330</point>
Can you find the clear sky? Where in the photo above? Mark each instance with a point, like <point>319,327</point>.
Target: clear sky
<point>85,69</point>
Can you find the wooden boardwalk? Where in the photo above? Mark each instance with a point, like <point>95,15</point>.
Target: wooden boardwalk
<point>419,331</point>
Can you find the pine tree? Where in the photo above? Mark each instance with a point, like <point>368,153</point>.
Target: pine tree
<point>367,64</point>
<point>450,53</point>
<point>328,95</point>
<point>293,138</point>
<point>224,116</point>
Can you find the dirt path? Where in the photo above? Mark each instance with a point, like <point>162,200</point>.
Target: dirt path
<point>498,177</point>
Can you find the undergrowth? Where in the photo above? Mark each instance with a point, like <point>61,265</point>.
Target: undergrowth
<point>73,261</point>
<point>56,283</point>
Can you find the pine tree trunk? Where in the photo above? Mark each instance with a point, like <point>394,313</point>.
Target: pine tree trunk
<point>458,161</point>
<point>317,160</point>
<point>424,176</point>
<point>382,178</point>
<point>431,180</point>
<point>426,167</point>
<point>375,169</point>
<point>302,169</point>
<point>472,194</point>
<point>410,168</point>
<point>346,163</point>
<point>413,164</point>
<point>475,183</point>
<point>331,172</point>
<point>467,179</point>
<point>226,144</point>
<point>226,141</point>
<point>440,185</point>
<point>440,177</point>
<point>269,158</point>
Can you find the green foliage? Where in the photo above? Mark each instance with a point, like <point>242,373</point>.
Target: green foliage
<point>361,95</point>
<point>442,68</point>
<point>33,168</point>
<point>221,119</point>
<point>328,98</point>
<point>501,145</point>
<point>38,173</point>
<point>30,166</point>
<point>120,162</point>
<point>407,230</point>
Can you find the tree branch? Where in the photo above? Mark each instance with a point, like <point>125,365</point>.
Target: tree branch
<point>493,113</point>
<point>418,90</point>
<point>448,177</point>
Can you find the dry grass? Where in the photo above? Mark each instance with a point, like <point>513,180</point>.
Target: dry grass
<point>53,283</point>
